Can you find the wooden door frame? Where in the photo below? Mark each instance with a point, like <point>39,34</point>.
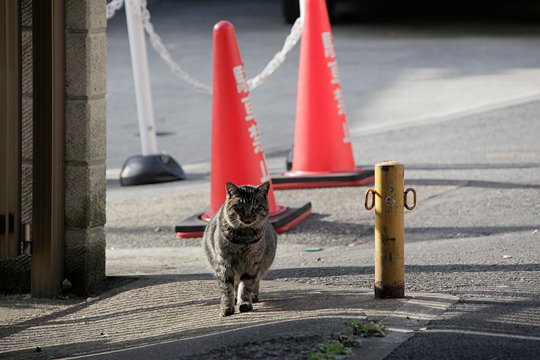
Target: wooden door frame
<point>48,44</point>
<point>10,129</point>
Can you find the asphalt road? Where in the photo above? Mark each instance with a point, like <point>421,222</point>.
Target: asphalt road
<point>395,72</point>
<point>456,101</point>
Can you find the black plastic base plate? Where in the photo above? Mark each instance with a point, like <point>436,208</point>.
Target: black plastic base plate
<point>294,214</point>
<point>150,169</point>
<point>357,178</point>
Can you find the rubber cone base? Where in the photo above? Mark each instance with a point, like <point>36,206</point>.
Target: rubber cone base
<point>150,169</point>
<point>300,180</point>
<point>284,221</point>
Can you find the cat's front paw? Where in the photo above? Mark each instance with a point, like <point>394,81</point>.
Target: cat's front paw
<point>226,311</point>
<point>245,307</point>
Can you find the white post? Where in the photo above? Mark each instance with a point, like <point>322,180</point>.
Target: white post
<point>302,8</point>
<point>139,63</point>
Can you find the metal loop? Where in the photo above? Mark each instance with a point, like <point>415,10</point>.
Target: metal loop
<point>372,205</point>
<point>405,199</point>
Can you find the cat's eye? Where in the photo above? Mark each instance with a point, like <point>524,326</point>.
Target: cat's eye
<point>255,206</point>
<point>238,206</point>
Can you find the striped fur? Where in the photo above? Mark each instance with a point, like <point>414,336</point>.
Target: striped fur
<point>240,245</point>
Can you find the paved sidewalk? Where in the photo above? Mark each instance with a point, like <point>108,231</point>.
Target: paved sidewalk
<point>163,303</point>
<point>474,235</point>
<point>177,316</point>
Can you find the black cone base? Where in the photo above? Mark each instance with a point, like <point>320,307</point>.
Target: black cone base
<point>293,215</point>
<point>359,177</point>
<point>150,169</point>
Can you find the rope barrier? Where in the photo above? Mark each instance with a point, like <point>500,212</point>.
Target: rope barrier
<point>113,6</point>
<point>290,41</point>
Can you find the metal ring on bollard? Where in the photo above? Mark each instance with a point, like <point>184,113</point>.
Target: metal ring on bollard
<point>405,199</point>
<point>373,193</point>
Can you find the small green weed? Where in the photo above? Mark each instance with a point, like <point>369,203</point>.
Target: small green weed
<point>367,328</point>
<point>329,350</point>
<point>336,350</point>
<point>350,341</point>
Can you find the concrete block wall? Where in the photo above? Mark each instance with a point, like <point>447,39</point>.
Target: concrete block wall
<point>85,152</point>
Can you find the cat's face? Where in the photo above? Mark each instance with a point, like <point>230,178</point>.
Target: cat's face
<point>247,205</point>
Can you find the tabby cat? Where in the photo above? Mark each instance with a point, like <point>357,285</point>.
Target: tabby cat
<point>240,245</point>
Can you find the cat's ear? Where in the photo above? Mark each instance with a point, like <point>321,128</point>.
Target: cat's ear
<point>231,188</point>
<point>264,188</point>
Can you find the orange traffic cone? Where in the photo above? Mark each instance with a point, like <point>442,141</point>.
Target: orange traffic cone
<point>322,152</point>
<point>237,152</point>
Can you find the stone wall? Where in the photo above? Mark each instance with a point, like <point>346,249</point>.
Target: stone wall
<point>85,181</point>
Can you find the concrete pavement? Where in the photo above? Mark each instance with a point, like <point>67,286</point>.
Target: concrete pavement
<point>473,237</point>
<point>460,241</point>
<point>176,317</point>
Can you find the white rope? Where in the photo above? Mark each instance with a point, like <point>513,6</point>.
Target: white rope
<point>279,57</point>
<point>165,55</point>
<point>290,41</point>
<point>113,6</point>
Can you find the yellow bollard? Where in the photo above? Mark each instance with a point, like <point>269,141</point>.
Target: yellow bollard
<point>388,198</point>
